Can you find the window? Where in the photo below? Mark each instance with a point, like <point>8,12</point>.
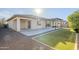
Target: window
<point>38,22</point>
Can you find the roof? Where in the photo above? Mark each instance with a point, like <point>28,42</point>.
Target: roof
<point>56,19</point>
<point>33,17</point>
<point>27,16</point>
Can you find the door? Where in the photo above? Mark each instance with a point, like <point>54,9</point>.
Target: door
<point>29,24</point>
<point>48,23</point>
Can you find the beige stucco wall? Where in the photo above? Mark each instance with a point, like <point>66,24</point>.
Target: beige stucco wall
<point>12,24</point>
<point>35,25</point>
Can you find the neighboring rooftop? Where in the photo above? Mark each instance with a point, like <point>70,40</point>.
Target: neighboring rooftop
<point>56,19</point>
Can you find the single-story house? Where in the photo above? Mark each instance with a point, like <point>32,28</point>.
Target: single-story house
<point>19,22</point>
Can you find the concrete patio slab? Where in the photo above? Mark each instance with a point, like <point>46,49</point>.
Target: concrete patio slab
<point>31,32</point>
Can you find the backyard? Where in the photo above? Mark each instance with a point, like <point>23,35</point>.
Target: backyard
<point>61,39</point>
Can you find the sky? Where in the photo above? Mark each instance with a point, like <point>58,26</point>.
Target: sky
<point>46,12</point>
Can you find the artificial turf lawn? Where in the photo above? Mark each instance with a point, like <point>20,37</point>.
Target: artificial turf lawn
<point>62,39</point>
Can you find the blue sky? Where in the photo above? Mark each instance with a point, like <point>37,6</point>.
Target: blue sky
<point>47,12</point>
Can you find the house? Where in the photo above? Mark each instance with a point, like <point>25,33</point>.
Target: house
<point>19,22</point>
<point>57,22</point>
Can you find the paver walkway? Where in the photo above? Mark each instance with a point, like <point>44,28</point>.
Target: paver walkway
<point>13,40</point>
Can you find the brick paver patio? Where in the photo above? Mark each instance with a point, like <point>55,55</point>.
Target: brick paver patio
<point>12,40</point>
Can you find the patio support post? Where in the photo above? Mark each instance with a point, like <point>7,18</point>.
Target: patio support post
<point>51,23</point>
<point>55,24</point>
<point>18,24</point>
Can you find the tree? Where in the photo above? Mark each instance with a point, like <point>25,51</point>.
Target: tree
<point>73,22</point>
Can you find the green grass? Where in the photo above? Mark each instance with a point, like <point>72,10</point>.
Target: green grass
<point>62,39</point>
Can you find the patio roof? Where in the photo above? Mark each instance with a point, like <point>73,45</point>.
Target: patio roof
<point>27,16</point>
